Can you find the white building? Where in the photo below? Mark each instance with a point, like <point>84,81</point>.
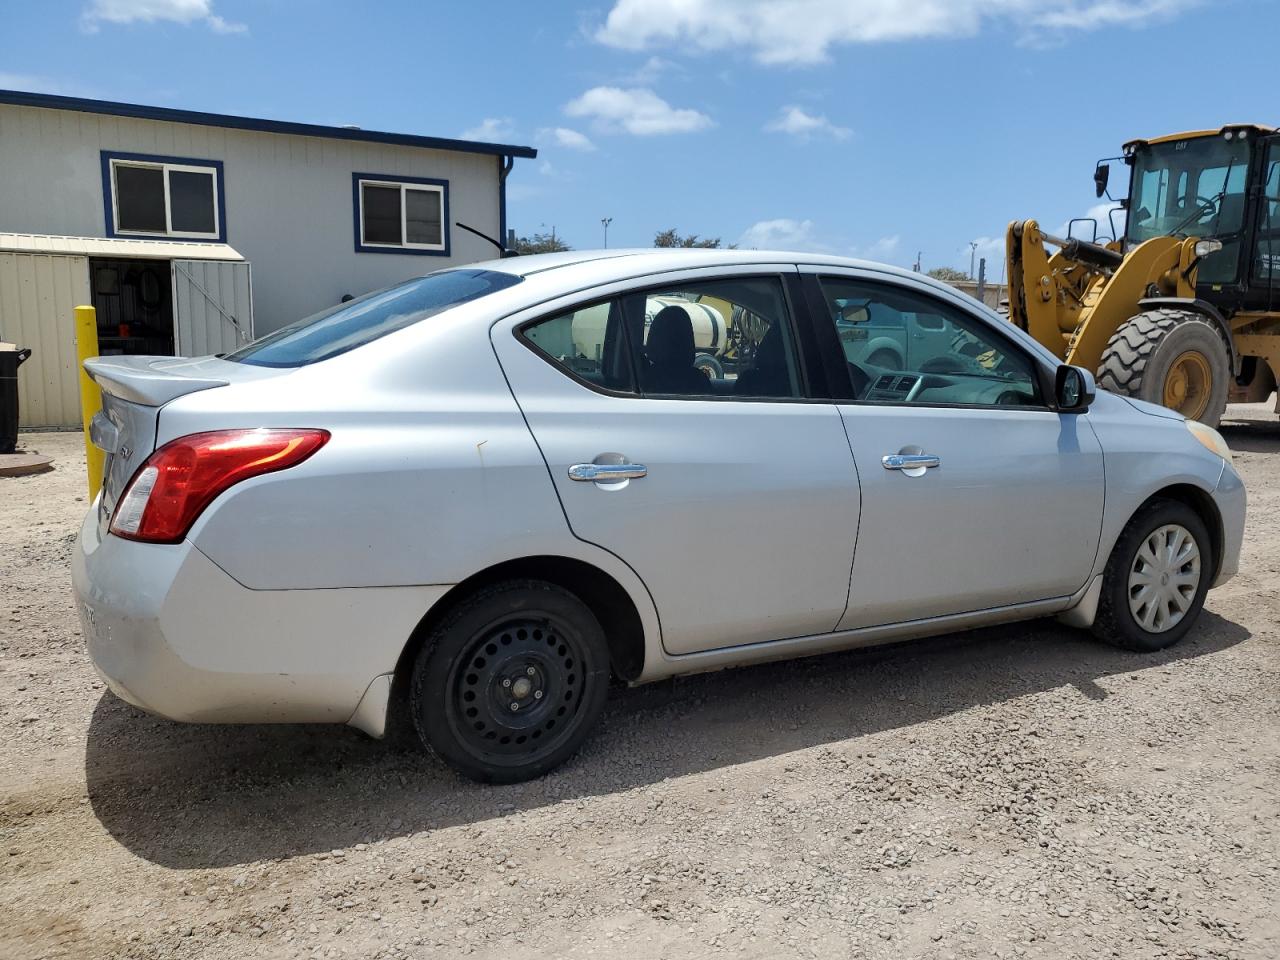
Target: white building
<point>191,232</point>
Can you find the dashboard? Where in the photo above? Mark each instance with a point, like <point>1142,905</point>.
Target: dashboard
<point>960,388</point>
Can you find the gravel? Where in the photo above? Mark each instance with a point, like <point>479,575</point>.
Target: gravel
<point>1016,792</point>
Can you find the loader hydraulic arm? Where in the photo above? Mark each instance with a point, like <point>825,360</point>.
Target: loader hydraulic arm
<point>1047,293</point>
<point>1073,301</point>
<point>1094,254</point>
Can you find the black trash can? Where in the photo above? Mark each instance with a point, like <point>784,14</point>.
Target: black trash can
<point>10,359</point>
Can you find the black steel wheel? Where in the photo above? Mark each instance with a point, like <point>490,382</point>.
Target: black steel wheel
<point>510,684</point>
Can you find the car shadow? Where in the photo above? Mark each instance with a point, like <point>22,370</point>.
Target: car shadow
<point>200,796</point>
<point>1253,436</point>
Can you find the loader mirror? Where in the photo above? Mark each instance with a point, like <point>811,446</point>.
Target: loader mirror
<point>1073,389</point>
<point>1101,176</point>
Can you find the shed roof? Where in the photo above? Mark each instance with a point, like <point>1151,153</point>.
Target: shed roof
<point>24,98</point>
<point>103,247</point>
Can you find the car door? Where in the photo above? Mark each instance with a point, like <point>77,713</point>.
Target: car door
<point>975,494</point>
<point>734,498</point>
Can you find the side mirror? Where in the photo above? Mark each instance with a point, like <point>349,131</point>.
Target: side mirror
<point>1101,176</point>
<point>1073,389</point>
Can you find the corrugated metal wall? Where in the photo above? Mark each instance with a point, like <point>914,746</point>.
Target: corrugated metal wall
<point>212,306</point>
<point>38,294</point>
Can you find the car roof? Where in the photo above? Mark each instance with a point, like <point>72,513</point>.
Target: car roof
<point>619,264</point>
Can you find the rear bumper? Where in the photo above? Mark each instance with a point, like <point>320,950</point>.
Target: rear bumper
<point>173,634</point>
<point>1230,498</point>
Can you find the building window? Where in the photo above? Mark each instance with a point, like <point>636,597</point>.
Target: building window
<point>150,196</point>
<point>401,214</point>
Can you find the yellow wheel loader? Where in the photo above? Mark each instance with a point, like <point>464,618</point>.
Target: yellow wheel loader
<point>1183,309</point>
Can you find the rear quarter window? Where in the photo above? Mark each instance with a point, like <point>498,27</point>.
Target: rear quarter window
<point>363,320</point>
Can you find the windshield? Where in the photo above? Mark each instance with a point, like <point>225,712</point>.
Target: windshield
<point>1192,188</point>
<point>365,319</point>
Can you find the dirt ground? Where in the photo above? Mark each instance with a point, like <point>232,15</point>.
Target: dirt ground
<point>1012,792</point>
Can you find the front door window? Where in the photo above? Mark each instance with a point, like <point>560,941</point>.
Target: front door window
<point>905,347</point>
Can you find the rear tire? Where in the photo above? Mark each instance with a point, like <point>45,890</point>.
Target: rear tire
<point>1156,579</point>
<point>1174,358</point>
<point>525,644</point>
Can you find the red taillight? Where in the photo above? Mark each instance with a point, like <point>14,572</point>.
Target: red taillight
<point>185,475</point>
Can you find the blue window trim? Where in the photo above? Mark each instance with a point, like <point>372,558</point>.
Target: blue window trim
<point>108,196</point>
<point>396,178</point>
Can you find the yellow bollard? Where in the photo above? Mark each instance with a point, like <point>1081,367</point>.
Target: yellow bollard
<point>90,395</point>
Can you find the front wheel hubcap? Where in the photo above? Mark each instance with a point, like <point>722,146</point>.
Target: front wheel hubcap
<point>1164,578</point>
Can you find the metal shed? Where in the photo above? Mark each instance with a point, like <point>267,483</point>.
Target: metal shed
<point>153,296</point>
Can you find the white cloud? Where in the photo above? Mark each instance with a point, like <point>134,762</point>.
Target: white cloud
<point>1097,213</point>
<point>786,233</point>
<point>218,25</point>
<point>99,12</point>
<point>782,234</point>
<point>882,249</point>
<point>489,130</point>
<point>649,72</point>
<point>990,247</point>
<point>570,139</point>
<point>1100,213</point>
<point>638,111</point>
<point>795,32</point>
<point>805,126</point>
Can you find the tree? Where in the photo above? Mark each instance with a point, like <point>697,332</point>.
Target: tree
<point>949,274</point>
<point>671,238</point>
<point>541,243</point>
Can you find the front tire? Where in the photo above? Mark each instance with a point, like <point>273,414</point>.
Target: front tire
<point>1156,578</point>
<point>509,685</point>
<point>1174,358</point>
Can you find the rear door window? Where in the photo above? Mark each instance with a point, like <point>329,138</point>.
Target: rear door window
<point>365,319</point>
<point>726,339</point>
<point>716,339</point>
<point>587,343</point>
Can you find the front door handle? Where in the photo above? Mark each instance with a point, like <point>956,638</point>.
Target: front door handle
<point>910,461</point>
<point>607,472</point>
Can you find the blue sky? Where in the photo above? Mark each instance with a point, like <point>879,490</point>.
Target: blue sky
<point>875,128</point>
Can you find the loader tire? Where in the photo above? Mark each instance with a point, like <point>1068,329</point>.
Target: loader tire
<point>1174,358</point>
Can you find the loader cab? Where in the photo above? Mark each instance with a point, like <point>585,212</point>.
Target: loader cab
<point>1222,185</point>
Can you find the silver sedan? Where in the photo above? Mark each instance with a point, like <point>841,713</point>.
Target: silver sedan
<point>475,497</point>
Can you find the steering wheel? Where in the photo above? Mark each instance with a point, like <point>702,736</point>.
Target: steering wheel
<point>943,364</point>
<point>1206,206</point>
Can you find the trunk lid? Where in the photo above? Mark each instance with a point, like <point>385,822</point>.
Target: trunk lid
<point>134,389</point>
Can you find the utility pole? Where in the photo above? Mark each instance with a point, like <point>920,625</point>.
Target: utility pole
<point>604,222</point>
<point>916,268</point>
<point>973,250</point>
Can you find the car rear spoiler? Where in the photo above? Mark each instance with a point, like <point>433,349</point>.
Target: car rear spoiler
<point>150,381</point>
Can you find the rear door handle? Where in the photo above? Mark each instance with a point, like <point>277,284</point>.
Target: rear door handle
<point>910,461</point>
<point>607,472</point>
